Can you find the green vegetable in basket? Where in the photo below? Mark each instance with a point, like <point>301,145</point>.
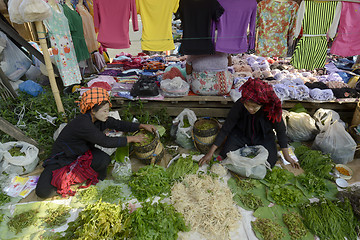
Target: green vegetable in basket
<point>268,229</point>
<point>22,220</point>
<point>296,227</point>
<point>151,180</point>
<point>182,167</point>
<point>205,126</point>
<point>149,137</point>
<point>56,217</point>
<point>249,200</point>
<point>157,221</point>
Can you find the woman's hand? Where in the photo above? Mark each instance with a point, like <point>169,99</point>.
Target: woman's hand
<point>148,127</point>
<point>205,159</point>
<point>293,163</point>
<point>136,139</point>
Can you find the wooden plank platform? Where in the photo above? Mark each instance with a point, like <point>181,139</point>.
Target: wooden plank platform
<point>219,106</point>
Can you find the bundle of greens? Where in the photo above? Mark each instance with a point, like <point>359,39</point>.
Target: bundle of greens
<point>99,221</point>
<point>330,220</point>
<point>295,225</point>
<point>56,217</point>
<point>286,195</point>
<point>150,181</point>
<point>156,221</point>
<point>250,200</point>
<point>182,167</point>
<point>88,195</point>
<point>278,176</point>
<point>4,198</point>
<point>244,184</point>
<point>268,229</point>
<point>112,194</point>
<point>312,183</point>
<point>22,220</point>
<point>314,161</point>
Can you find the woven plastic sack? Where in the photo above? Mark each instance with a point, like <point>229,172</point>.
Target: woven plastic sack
<point>337,142</point>
<point>183,133</point>
<point>175,87</point>
<point>14,11</point>
<point>35,10</point>
<point>19,164</point>
<point>14,63</point>
<point>240,162</point>
<point>299,126</point>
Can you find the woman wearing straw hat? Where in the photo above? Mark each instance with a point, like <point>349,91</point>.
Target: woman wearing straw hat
<point>74,158</point>
<point>252,121</point>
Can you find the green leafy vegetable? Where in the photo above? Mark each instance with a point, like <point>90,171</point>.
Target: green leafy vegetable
<point>250,200</point>
<point>286,195</point>
<point>56,217</point>
<point>278,176</point>
<point>182,167</point>
<point>22,220</point>
<point>16,151</point>
<point>312,183</point>
<point>268,229</point>
<point>112,194</point>
<point>88,195</point>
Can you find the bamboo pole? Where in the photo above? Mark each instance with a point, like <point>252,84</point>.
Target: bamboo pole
<point>41,34</point>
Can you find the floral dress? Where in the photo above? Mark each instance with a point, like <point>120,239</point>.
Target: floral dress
<point>276,23</point>
<point>62,47</point>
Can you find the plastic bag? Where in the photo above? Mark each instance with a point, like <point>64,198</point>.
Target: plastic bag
<point>239,161</point>
<point>122,171</point>
<point>299,126</point>
<point>19,164</point>
<point>337,142</point>
<point>35,10</point>
<point>15,62</point>
<point>175,87</point>
<point>183,132</point>
<point>31,87</point>
<point>14,11</point>
<point>325,117</point>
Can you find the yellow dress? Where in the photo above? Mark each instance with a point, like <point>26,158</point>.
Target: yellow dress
<point>156,17</point>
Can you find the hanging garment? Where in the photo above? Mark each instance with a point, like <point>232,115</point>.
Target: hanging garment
<point>111,18</point>
<point>232,26</point>
<point>156,17</point>
<point>62,47</point>
<point>315,18</point>
<point>276,24</point>
<point>77,33</point>
<point>196,19</point>
<point>347,40</point>
<point>89,28</point>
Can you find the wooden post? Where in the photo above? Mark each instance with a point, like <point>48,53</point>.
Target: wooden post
<point>15,132</point>
<point>41,34</point>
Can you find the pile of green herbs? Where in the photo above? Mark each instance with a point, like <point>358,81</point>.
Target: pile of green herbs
<point>56,217</point>
<point>315,162</point>
<point>294,223</point>
<point>278,176</point>
<point>331,219</point>
<point>286,195</point>
<point>40,130</point>
<point>268,229</point>
<point>250,200</point>
<point>149,181</point>
<point>22,220</point>
<point>182,167</point>
<point>100,220</point>
<point>88,195</point>
<point>313,184</point>
<point>157,221</point>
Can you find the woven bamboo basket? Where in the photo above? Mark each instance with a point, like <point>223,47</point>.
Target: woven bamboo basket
<point>204,138</point>
<point>150,153</point>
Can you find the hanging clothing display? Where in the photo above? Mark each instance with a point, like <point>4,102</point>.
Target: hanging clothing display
<point>315,18</point>
<point>232,26</point>
<point>196,20</point>
<point>62,47</point>
<point>89,28</point>
<point>276,25</point>
<point>111,18</point>
<point>347,40</point>
<point>156,17</point>
<point>77,33</point>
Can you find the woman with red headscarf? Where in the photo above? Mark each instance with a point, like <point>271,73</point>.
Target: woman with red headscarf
<point>252,121</point>
<point>74,158</point>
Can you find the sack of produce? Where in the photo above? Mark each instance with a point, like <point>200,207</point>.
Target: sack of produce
<point>122,170</point>
<point>18,157</point>
<point>299,126</point>
<point>248,161</point>
<point>175,87</point>
<point>185,122</point>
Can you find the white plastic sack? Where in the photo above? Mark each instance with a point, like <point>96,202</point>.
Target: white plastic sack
<point>15,63</point>
<point>122,171</point>
<point>14,11</point>
<point>325,117</point>
<point>237,162</point>
<point>35,10</point>
<point>19,164</point>
<point>337,142</point>
<point>299,126</point>
<point>175,87</point>
<point>183,134</point>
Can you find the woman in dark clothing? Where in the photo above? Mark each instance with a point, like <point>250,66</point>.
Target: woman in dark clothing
<point>81,134</point>
<point>252,121</point>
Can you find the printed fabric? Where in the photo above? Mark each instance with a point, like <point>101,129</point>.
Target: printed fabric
<point>92,97</point>
<point>210,82</point>
<point>62,47</point>
<point>78,171</point>
<point>276,23</point>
